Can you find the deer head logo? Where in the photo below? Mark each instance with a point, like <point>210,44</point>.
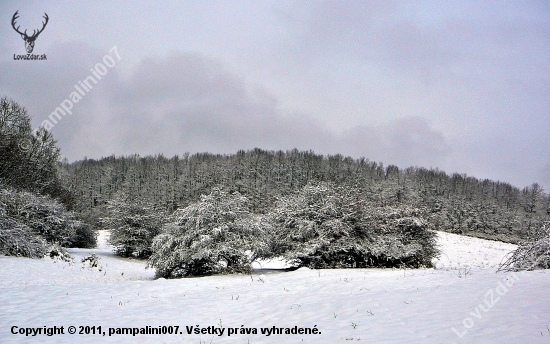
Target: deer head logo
<point>29,40</point>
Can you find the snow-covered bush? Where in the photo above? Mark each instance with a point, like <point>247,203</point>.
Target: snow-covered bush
<point>133,225</point>
<point>93,260</point>
<point>28,222</point>
<point>398,237</point>
<point>218,234</point>
<point>532,254</point>
<point>57,252</point>
<point>47,217</point>
<point>19,240</point>
<point>327,227</point>
<point>83,235</point>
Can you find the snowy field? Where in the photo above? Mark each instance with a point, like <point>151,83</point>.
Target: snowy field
<point>463,300</point>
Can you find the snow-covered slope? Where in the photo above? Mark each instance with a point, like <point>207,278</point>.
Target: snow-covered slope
<point>463,300</point>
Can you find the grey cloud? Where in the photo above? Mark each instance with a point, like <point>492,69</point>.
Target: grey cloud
<point>200,106</point>
<point>426,40</point>
<point>41,86</point>
<point>189,102</point>
<point>544,177</point>
<point>409,141</point>
<point>194,104</point>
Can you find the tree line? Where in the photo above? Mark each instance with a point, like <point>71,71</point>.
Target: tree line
<point>456,203</point>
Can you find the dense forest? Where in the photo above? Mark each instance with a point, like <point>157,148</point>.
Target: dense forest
<point>455,203</point>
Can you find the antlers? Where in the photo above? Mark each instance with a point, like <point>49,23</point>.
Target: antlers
<point>15,16</point>
<point>34,34</point>
<point>43,25</point>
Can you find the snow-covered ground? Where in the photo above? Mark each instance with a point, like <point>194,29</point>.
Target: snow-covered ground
<point>463,300</point>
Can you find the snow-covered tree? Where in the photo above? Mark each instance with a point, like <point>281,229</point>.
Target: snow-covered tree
<point>323,226</point>
<point>27,159</point>
<point>133,225</point>
<point>217,234</point>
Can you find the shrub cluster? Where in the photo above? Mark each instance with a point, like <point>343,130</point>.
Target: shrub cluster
<point>30,223</point>
<point>319,227</point>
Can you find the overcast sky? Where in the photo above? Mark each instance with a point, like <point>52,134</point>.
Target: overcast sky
<point>463,86</point>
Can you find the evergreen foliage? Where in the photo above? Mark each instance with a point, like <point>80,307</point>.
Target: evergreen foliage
<point>217,234</point>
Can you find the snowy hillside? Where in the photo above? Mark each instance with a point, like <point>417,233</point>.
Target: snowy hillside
<point>463,300</point>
